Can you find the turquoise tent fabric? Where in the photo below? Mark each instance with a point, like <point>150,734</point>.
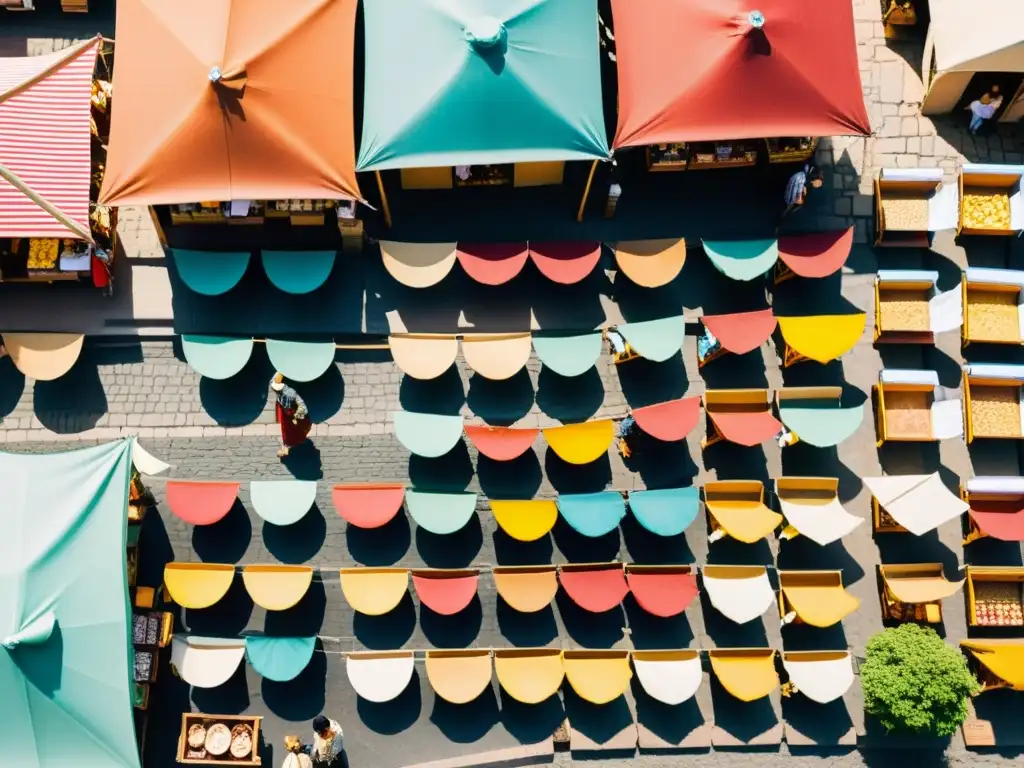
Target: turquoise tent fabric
<point>568,355</point>
<point>208,272</point>
<point>821,423</point>
<point>216,357</point>
<point>592,514</point>
<point>440,513</point>
<point>742,259</point>
<point>455,83</point>
<point>656,340</point>
<point>301,360</point>
<point>66,686</point>
<point>279,658</point>
<point>282,502</point>
<point>665,512</point>
<point>427,434</point>
<point>298,271</point>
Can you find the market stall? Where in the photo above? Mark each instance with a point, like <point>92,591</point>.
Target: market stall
<point>992,401</point>
<point>817,415</point>
<point>910,406</point>
<point>810,507</point>
<point>762,54</point>
<point>244,141</point>
<point>909,308</point>
<point>815,598</point>
<point>741,593</point>
<point>911,503</point>
<point>736,509</point>
<point>738,333</point>
<point>915,592</point>
<point>821,676</point>
<point>747,673</point>
<point>911,205</point>
<point>991,200</point>
<point>996,663</point>
<point>995,597</point>
<point>966,53</point>
<point>457,100</point>
<point>992,306</point>
<point>219,740</point>
<point>741,416</point>
<point>813,255</point>
<point>821,338</point>
<point>50,226</point>
<point>995,508</point>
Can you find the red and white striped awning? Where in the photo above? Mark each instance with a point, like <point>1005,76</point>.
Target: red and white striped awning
<point>45,139</point>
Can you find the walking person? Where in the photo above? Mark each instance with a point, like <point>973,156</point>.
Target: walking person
<point>296,757</point>
<point>328,743</point>
<point>292,415</point>
<point>983,109</point>
<point>798,188</point>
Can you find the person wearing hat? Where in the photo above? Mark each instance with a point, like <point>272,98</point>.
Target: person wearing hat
<point>327,743</point>
<point>291,414</point>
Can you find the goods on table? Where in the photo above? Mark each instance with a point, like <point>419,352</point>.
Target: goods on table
<point>908,414</point>
<point>241,741</point>
<point>197,736</point>
<point>140,626</point>
<point>998,604</point>
<point>43,252</point>
<point>986,208</point>
<point>995,411</point>
<point>993,315</point>
<point>905,214</point>
<point>218,739</point>
<point>143,665</point>
<point>153,629</point>
<point>885,520</point>
<point>904,311</point>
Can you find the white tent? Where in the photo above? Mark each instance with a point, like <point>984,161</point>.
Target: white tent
<point>964,39</point>
<point>919,503</point>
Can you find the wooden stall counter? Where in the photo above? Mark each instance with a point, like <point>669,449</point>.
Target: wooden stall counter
<point>791,149</point>
<point>992,401</point>
<point>991,200</point>
<point>910,205</point>
<point>995,597</point>
<point>219,740</point>
<point>903,310</point>
<point>722,154</point>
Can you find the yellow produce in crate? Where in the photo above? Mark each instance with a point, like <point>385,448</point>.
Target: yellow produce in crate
<point>986,210</point>
<point>43,252</point>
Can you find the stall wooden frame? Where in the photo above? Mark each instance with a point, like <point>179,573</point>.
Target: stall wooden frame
<point>894,609</point>
<point>881,425</point>
<point>1000,574</point>
<point>972,531</point>
<point>824,488</point>
<point>736,400</point>
<point>1002,177</point>
<point>823,578</point>
<point>969,381</point>
<point>988,679</point>
<point>883,335</point>
<point>730,490</point>
<point>923,183</point>
<point>966,286</point>
<point>878,525</point>
<point>187,718</point>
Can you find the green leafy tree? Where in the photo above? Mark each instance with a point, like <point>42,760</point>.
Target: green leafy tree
<point>913,681</point>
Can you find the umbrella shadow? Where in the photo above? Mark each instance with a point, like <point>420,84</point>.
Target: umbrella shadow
<point>651,633</point>
<point>577,548</point>
<point>389,718</point>
<point>577,478</point>
<point>501,403</point>
<point>509,551</point>
<point>519,478</point>
<point>819,723</point>
<point>453,550</point>
<point>227,618</point>
<point>230,698</point>
<point>590,630</point>
<point>304,696</point>
<point>460,630</point>
<point>449,473</point>
<point>380,546</point>
<point>526,630</point>
<point>661,464</point>
<point>12,387</point>
<point>645,382</point>
<point>299,542</point>
<point>242,398</point>
<point>74,402</point>
<point>324,395</point>
<point>646,548</point>
<point>466,723</point>
<point>744,720</point>
<point>730,461</point>
<point>600,723</point>
<point>670,722</point>
<point>570,400</point>
<point>444,395</point>
<point>227,540</point>
<point>304,619</point>
<point>531,723</point>
<point>388,631</point>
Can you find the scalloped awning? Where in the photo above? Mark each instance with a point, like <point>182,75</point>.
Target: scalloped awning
<point>282,502</point>
<point>277,587</point>
<point>821,676</point>
<point>445,592</point>
<point>823,338</point>
<point>741,593</point>
<point>662,590</point>
<point>747,673</point>
<point>206,662</point>
<point>569,355</point>
<point>380,676</point>
<point>374,591</point>
<point>210,273</point>
<point>595,587</point>
<point>597,676</point>
<point>656,340</point>
<point>460,676</point>
<point>501,443</point>
<point>44,356</point>
<point>301,360</point>
<point>526,589</point>
<point>197,585</point>
<point>665,511</point>
<point>368,505</point>
<point>669,421</point>
<point>441,513</point>
<point>581,443</point>
<point>741,332</point>
<point>742,259</point>
<point>592,514</point>
<point>816,254</point>
<point>216,357</point>
<point>429,435</point>
<point>201,502</point>
<point>423,357</point>
<point>529,675</point>
<point>279,658</point>
<point>651,263</point>
<point>525,520</point>
<point>670,677</point>
<point>298,272</point>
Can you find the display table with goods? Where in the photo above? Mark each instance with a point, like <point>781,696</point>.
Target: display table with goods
<point>722,154</point>
<point>995,597</point>
<point>911,204</point>
<point>914,592</point>
<point>219,740</point>
<point>679,156</point>
<point>991,306</point>
<point>911,407</point>
<point>792,149</point>
<point>991,200</point>
<point>897,16</point>
<point>908,307</point>
<point>995,508</point>
<point>992,400</point>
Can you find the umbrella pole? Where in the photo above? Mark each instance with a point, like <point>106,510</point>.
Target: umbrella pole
<point>586,191</point>
<point>383,199</point>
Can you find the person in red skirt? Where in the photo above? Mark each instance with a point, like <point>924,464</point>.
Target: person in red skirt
<point>292,415</point>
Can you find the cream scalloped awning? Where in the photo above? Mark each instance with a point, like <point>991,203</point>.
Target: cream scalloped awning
<point>920,503</point>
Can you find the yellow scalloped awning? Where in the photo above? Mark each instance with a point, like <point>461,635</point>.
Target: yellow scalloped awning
<point>823,337</point>
<point>197,585</point>
<point>423,357</point>
<point>277,587</point>
<point>581,443</point>
<point>526,589</point>
<point>374,591</point>
<point>746,521</point>
<point>597,676</point>
<point>526,520</point>
<point>497,357</point>
<point>418,265</point>
<point>651,263</point>
<point>459,677</point>
<point>44,356</point>
<point>529,675</point>
<point>1004,660</point>
<point>748,674</point>
<point>817,597</point>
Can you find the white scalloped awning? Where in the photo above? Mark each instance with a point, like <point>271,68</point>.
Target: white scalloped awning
<point>206,662</point>
<point>380,677</point>
<point>741,593</point>
<point>670,677</point>
<point>821,676</point>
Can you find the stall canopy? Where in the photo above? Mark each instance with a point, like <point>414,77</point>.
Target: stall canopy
<point>740,592</point>
<point>740,70</point>
<point>450,84</point>
<point>919,503</point>
<point>529,675</point>
<point>670,677</point>
<point>528,588</point>
<point>997,506</point>
<point>969,42</point>
<point>232,100</point>
<point>1004,659</point>
<point>747,673</point>
<point>65,670</point>
<point>821,676</point>
<point>45,142</point>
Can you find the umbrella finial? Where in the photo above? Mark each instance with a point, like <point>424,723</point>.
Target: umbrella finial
<point>484,31</point>
<point>756,19</point>
<point>215,75</point>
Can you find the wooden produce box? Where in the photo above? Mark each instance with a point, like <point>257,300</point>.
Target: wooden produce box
<point>995,595</point>
<point>188,755</point>
<point>990,198</point>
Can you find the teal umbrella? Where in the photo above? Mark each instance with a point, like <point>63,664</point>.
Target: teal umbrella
<point>298,272</point>
<point>667,511</point>
<point>742,259</point>
<point>216,357</point>
<point>208,272</point>
<point>279,658</point>
<point>568,355</point>
<point>592,514</point>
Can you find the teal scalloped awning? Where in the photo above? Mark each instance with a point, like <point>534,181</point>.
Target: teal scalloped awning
<point>440,513</point>
<point>279,658</point>
<point>592,514</point>
<point>427,434</point>
<point>742,259</point>
<point>656,340</point>
<point>282,502</point>
<point>665,512</point>
<point>298,272</point>
<point>568,355</point>
<point>216,357</point>
<point>208,272</point>
<point>301,360</point>
<point>821,423</point>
